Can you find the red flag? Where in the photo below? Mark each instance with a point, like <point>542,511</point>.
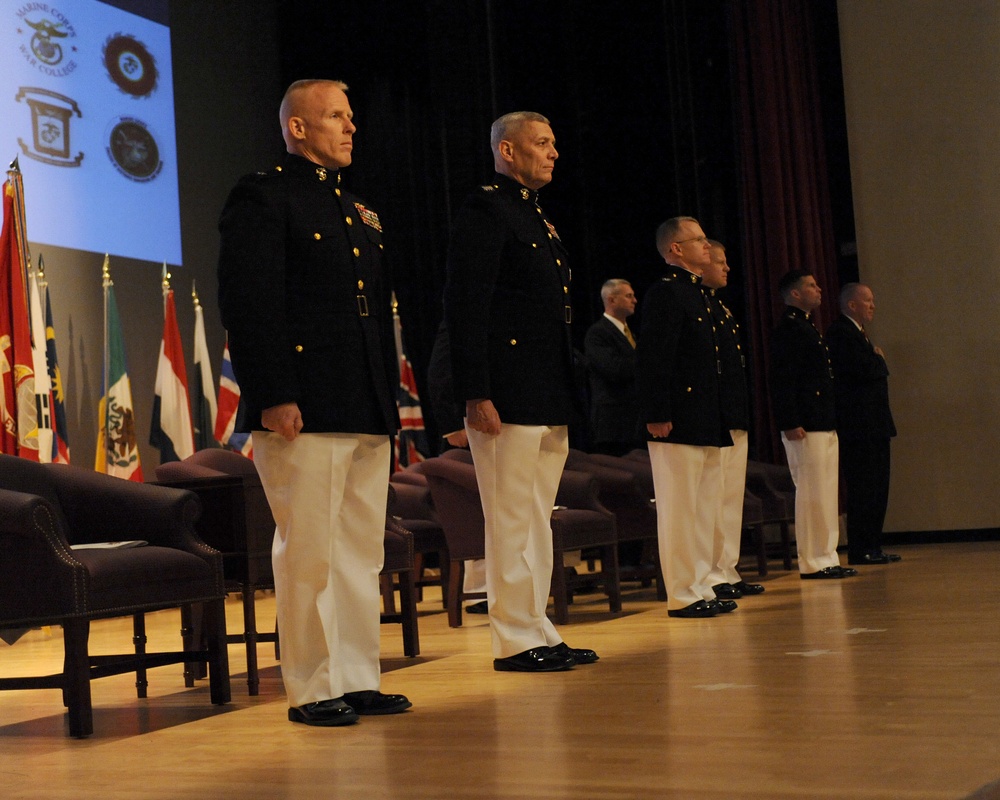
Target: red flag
<point>18,411</point>
<point>171,431</point>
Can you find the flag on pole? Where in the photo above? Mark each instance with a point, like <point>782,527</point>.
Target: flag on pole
<point>60,430</point>
<point>18,411</point>
<point>204,398</point>
<point>411,443</point>
<point>229,404</point>
<point>43,386</point>
<point>171,430</point>
<point>117,444</point>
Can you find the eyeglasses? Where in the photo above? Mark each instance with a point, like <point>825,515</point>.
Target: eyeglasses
<point>699,239</point>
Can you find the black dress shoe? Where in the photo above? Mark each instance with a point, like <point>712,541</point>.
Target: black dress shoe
<point>478,608</point>
<point>538,659</point>
<point>371,702</point>
<point>829,573</point>
<point>724,606</point>
<point>579,655</point>
<point>697,610</point>
<point>893,557</point>
<point>869,558</point>
<point>749,588</point>
<point>726,591</point>
<point>325,713</point>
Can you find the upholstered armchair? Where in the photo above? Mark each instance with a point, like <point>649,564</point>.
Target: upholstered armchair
<point>77,546</point>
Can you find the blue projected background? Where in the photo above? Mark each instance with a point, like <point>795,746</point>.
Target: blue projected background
<point>86,105</point>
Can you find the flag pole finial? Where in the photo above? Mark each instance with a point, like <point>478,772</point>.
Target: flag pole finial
<point>165,283</point>
<point>194,294</point>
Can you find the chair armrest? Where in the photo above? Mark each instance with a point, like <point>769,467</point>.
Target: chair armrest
<point>99,508</point>
<point>412,502</point>
<point>579,490</point>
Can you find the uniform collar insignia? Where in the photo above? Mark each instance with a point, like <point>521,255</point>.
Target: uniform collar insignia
<point>321,173</point>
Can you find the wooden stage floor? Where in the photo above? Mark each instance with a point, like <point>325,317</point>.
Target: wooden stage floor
<point>882,686</point>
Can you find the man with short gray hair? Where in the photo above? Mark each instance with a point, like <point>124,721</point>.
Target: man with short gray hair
<point>609,347</point>
<point>508,314</point>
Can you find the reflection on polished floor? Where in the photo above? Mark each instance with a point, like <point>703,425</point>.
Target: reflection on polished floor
<point>882,686</point>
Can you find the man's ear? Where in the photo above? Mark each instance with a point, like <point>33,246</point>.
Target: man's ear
<point>297,127</point>
<point>506,150</point>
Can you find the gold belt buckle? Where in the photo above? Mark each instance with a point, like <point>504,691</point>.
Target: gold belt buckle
<point>362,306</point>
<point>569,314</point>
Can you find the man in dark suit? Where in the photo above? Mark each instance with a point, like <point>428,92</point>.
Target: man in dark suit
<point>305,296</point>
<point>609,347</point>
<point>805,412</point>
<point>508,313</point>
<point>681,405</point>
<point>864,423</point>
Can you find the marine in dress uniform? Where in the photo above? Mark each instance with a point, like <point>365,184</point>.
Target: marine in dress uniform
<point>804,410</point>
<point>305,298</point>
<point>864,424</point>
<point>724,578</point>
<point>508,315</point>
<point>681,404</point>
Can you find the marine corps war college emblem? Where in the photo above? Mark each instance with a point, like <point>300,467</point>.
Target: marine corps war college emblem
<point>47,38</point>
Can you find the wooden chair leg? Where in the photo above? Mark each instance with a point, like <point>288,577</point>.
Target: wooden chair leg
<point>559,590</point>
<point>388,594</point>
<point>76,677</point>
<point>139,642</point>
<point>408,612</point>
<point>445,567</point>
<point>214,621</point>
<point>661,584</point>
<point>250,638</point>
<point>760,545</point>
<point>455,579</point>
<point>611,577</point>
<point>786,543</point>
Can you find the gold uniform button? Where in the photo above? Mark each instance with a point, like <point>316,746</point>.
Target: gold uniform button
<point>565,290</point>
<point>357,252</point>
<point>298,348</point>
<point>381,246</point>
<point>361,285</point>
<point>317,236</point>
<point>337,191</point>
<point>699,319</point>
<point>277,169</point>
<point>558,260</point>
<point>533,244</point>
<point>689,388</point>
<point>349,220</point>
<point>513,342</point>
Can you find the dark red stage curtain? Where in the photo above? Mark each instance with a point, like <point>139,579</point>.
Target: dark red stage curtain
<point>782,162</point>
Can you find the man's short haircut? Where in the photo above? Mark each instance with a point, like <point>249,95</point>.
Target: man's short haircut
<point>610,287</point>
<point>287,102</point>
<point>716,243</point>
<point>509,124</point>
<point>666,234</point>
<point>847,293</point>
<point>791,280</point>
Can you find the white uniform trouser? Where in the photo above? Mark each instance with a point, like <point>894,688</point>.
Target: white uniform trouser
<point>814,464</point>
<point>327,492</point>
<point>729,519</point>
<point>687,481</point>
<point>518,473</point>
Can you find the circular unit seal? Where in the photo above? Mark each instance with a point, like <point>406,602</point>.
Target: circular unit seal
<point>133,150</point>
<point>130,65</point>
